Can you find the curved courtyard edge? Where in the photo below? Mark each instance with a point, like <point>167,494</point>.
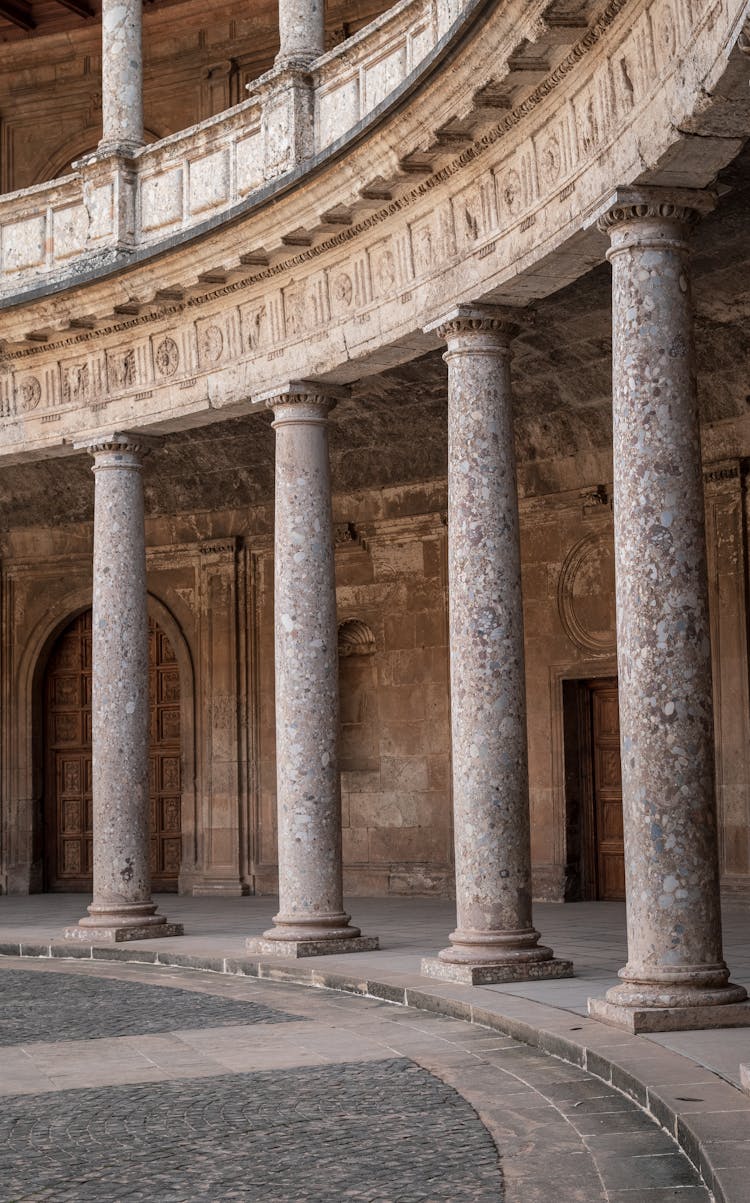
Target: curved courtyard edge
<point>615,1057</point>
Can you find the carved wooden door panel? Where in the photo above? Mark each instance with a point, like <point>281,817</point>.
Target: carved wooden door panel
<point>68,810</point>
<point>165,784</point>
<point>68,842</point>
<point>607,783</point>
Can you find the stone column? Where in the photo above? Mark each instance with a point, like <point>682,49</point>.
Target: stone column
<point>301,32</point>
<point>122,908</point>
<point>495,940</point>
<point>122,77</point>
<point>675,975</point>
<point>311,918</point>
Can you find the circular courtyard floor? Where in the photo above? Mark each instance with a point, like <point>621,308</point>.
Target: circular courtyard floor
<point>125,1082</point>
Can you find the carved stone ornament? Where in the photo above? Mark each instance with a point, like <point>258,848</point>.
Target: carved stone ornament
<point>345,534</point>
<point>586,595</point>
<point>476,319</point>
<point>212,344</point>
<point>355,638</point>
<point>167,357</point>
<point>29,392</point>
<point>682,206</point>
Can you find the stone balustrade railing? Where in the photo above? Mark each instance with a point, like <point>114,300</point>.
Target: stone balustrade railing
<point>109,206</point>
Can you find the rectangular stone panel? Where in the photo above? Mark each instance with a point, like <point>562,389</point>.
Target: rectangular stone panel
<point>161,200</point>
<point>209,181</point>
<point>382,76</point>
<point>70,227</point>
<point>100,203</point>
<point>338,111</point>
<point>24,244</point>
<point>248,153</point>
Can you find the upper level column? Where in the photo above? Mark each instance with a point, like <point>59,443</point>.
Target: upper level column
<point>311,918</point>
<point>301,32</point>
<point>675,975</point>
<point>122,77</point>
<point>495,940</point>
<point>122,908</point>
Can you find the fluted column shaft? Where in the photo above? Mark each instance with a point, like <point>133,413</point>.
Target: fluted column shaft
<point>311,910</point>
<point>122,76</point>
<point>122,907</point>
<point>663,641</point>
<point>488,689</point>
<point>301,32</point>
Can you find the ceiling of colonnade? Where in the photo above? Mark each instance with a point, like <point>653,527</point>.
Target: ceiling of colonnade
<point>392,430</point>
<point>23,19</point>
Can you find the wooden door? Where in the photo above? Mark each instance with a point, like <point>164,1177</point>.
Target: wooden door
<point>607,789</point>
<point>68,805</point>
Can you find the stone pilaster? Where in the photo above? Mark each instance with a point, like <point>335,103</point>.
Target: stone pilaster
<point>122,908</point>
<point>675,976</point>
<point>495,940</point>
<point>122,77</point>
<point>311,918</point>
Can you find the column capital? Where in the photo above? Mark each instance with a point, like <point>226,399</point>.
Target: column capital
<point>302,401</point>
<point>646,206</point>
<point>500,322</point>
<point>119,442</point>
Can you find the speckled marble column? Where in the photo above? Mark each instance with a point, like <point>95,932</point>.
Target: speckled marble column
<point>122,908</point>
<point>122,77</point>
<point>675,975</point>
<point>311,919</point>
<point>495,940</point>
<point>301,32</point>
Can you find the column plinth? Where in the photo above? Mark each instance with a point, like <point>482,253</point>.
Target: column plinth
<point>494,940</point>
<point>675,976</point>
<point>311,919</point>
<point>122,77</point>
<point>122,908</point>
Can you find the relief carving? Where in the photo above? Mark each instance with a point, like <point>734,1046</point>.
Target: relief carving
<point>167,357</point>
<point>211,344</point>
<point>586,594</point>
<point>29,392</point>
<point>76,384</point>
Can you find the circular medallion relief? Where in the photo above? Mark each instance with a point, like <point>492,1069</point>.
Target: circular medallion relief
<point>167,357</point>
<point>586,594</point>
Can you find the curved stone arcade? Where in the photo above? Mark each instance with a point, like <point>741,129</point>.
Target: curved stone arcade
<point>408,349</point>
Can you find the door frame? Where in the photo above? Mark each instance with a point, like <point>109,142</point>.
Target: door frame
<point>572,773</point>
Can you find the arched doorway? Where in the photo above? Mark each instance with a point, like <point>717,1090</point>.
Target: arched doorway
<point>67,758</point>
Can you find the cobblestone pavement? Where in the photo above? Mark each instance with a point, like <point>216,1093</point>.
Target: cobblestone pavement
<point>46,1008</point>
<point>348,1098</point>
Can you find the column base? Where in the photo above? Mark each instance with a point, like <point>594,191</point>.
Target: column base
<point>669,1019</point>
<point>262,946</point>
<point>489,974</point>
<point>119,935</point>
